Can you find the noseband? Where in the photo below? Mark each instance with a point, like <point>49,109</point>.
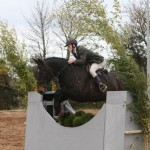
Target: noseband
<point>48,71</point>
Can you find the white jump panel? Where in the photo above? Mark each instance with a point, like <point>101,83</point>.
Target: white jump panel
<point>104,132</point>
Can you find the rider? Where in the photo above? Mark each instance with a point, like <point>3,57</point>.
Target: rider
<point>79,55</point>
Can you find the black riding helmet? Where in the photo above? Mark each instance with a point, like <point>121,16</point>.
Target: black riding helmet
<point>71,42</point>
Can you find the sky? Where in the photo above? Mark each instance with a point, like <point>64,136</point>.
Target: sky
<point>15,11</point>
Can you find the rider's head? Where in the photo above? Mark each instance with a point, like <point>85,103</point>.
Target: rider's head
<point>71,45</point>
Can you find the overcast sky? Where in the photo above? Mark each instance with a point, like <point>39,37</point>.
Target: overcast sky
<point>13,11</point>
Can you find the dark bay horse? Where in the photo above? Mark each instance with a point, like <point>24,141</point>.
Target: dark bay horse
<point>75,82</point>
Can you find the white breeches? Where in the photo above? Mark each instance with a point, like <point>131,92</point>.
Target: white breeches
<point>94,67</point>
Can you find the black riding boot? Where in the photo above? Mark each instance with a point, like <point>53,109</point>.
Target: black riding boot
<point>102,86</point>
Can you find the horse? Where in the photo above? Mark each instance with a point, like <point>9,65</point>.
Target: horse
<point>75,82</point>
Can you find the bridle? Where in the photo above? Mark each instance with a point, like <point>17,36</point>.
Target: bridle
<point>75,73</point>
<point>47,70</point>
<point>51,71</point>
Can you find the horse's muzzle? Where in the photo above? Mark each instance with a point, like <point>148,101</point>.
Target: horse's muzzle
<point>41,89</point>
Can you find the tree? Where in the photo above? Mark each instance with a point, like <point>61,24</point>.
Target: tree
<point>137,25</point>
<point>70,22</point>
<point>16,79</point>
<point>80,19</point>
<point>39,26</point>
<point>67,24</point>
<point>129,66</point>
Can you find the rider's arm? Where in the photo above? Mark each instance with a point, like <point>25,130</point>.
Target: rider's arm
<point>79,62</point>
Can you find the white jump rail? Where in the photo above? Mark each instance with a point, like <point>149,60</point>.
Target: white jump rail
<point>106,131</point>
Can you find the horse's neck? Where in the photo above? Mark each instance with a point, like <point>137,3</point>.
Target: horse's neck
<point>57,66</point>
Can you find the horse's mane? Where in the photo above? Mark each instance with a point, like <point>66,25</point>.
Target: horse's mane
<point>56,59</point>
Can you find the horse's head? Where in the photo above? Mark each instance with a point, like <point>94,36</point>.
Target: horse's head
<point>43,75</point>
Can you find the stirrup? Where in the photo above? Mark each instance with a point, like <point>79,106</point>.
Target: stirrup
<point>103,87</point>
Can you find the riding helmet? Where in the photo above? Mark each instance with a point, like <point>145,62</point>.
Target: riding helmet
<point>71,42</point>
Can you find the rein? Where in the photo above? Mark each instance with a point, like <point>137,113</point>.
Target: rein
<point>58,74</point>
<point>75,74</point>
<point>61,70</point>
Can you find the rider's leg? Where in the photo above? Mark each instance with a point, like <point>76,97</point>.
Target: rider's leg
<point>92,71</point>
<point>102,86</point>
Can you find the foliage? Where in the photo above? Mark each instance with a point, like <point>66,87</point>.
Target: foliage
<point>135,81</point>
<point>129,61</point>
<point>98,24</point>
<point>39,25</point>
<point>8,98</point>
<point>7,93</point>
<point>66,23</point>
<point>13,66</point>
<point>73,20</point>
<point>75,120</point>
<point>13,55</point>
<point>137,29</point>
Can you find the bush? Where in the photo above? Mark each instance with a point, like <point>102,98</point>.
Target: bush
<point>87,117</point>
<point>8,98</point>
<point>79,113</point>
<point>135,81</point>
<point>66,120</point>
<point>78,119</point>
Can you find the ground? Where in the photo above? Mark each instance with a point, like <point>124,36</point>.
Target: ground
<point>12,130</point>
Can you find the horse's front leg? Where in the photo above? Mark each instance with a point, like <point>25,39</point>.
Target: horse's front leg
<point>58,99</point>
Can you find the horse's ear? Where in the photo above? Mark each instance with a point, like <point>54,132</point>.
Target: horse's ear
<point>41,62</point>
<point>38,61</point>
<point>34,60</point>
